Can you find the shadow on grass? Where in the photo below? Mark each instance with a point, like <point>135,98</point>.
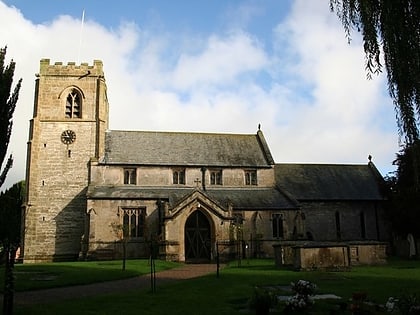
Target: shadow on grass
<point>229,293</point>
<point>50,275</point>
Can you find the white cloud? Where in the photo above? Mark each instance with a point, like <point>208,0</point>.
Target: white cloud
<point>220,62</point>
<point>314,103</point>
<point>337,121</point>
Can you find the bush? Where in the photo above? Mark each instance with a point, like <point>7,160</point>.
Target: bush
<point>261,301</point>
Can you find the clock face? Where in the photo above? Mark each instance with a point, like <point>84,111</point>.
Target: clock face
<point>68,136</point>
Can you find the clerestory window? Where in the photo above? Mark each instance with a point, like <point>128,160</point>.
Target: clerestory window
<point>251,177</point>
<point>216,177</point>
<point>73,105</point>
<point>178,176</point>
<point>130,176</point>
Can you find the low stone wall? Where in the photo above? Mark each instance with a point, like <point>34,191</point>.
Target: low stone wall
<point>328,255</point>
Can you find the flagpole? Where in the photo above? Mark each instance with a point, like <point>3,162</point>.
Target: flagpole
<point>81,36</point>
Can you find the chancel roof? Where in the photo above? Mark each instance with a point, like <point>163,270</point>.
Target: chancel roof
<point>240,199</point>
<point>329,182</point>
<point>186,149</point>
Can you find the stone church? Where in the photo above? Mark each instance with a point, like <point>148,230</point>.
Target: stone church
<point>94,193</point>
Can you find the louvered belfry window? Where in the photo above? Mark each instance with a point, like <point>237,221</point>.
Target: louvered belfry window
<point>74,105</point>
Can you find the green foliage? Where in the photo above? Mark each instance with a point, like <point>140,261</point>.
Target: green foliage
<point>10,230</point>
<point>11,213</point>
<point>7,108</point>
<point>408,304</point>
<point>391,27</point>
<point>261,301</point>
<point>404,191</point>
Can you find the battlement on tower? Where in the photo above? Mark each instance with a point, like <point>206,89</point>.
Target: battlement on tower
<point>71,69</point>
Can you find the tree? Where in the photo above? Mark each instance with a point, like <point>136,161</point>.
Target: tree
<point>11,200</point>
<point>10,231</point>
<point>7,108</point>
<point>121,231</point>
<point>404,192</point>
<point>391,26</point>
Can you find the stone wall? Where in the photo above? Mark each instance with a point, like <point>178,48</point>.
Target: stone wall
<point>323,214</point>
<point>156,176</point>
<point>57,173</point>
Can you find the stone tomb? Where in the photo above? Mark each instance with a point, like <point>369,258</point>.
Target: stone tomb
<point>329,255</point>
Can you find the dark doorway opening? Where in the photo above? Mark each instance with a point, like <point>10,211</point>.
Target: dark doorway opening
<point>197,238</point>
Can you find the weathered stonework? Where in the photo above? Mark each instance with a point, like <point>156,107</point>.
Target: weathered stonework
<point>159,192</point>
<point>57,173</point>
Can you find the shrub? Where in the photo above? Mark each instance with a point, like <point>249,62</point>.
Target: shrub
<point>261,301</point>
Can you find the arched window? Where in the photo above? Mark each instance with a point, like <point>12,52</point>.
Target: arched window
<point>362,225</point>
<point>277,221</point>
<point>299,228</point>
<point>73,104</point>
<point>338,225</point>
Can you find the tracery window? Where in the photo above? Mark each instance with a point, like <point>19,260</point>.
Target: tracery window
<point>134,222</point>
<point>73,104</point>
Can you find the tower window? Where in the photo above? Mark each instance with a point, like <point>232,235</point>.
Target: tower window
<point>73,105</point>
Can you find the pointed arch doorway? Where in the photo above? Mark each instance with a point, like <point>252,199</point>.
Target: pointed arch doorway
<point>197,238</point>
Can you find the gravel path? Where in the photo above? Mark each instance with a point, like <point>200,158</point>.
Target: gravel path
<point>186,271</point>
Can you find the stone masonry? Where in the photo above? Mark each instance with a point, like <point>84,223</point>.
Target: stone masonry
<point>57,173</point>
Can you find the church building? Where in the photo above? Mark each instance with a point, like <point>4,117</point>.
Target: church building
<point>95,193</point>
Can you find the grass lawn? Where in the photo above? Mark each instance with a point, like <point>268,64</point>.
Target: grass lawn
<point>229,293</point>
<point>42,276</point>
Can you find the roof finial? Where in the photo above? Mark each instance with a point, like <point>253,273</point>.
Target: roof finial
<point>259,126</point>
<point>370,158</point>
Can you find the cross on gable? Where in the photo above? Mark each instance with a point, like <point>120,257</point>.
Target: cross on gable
<point>197,182</point>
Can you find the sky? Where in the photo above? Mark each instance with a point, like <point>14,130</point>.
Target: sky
<point>212,66</point>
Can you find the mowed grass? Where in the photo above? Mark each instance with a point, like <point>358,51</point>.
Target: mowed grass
<point>229,293</point>
<point>50,275</point>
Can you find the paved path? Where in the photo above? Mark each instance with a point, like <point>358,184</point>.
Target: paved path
<point>186,271</point>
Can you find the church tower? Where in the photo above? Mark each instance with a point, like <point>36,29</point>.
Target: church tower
<point>67,133</point>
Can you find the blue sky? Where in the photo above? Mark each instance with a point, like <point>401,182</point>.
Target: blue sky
<point>213,66</point>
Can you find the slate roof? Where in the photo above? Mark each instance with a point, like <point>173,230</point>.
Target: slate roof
<point>186,149</point>
<point>241,198</point>
<point>329,181</point>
